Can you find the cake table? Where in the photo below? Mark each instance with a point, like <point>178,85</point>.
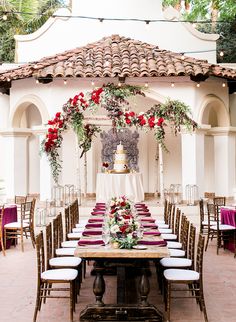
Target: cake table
<point>113,184</point>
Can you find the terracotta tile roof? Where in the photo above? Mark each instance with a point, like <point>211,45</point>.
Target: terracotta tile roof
<point>117,56</point>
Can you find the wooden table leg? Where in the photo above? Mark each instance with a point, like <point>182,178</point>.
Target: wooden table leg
<point>144,287</point>
<point>99,283</point>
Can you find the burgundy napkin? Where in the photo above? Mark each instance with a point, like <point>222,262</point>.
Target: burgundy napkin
<point>91,232</point>
<point>100,204</point>
<point>149,225</point>
<point>148,219</point>
<point>147,214</point>
<point>142,209</point>
<point>91,220</point>
<point>152,242</point>
<point>153,233</point>
<point>94,225</point>
<point>99,209</point>
<point>84,242</point>
<point>95,213</point>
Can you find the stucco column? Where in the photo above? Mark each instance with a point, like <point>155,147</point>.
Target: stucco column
<point>224,160</point>
<point>45,172</point>
<point>193,160</point>
<point>15,161</point>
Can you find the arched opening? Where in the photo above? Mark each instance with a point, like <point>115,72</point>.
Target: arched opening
<point>27,116</point>
<point>214,114</point>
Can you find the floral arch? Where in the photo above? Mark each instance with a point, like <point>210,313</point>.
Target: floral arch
<point>114,99</point>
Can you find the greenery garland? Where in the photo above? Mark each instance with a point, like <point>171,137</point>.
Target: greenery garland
<point>113,98</point>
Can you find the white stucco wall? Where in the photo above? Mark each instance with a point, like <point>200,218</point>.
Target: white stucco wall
<point>60,33</point>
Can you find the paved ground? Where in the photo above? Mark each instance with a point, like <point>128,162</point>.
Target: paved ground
<point>18,289</point>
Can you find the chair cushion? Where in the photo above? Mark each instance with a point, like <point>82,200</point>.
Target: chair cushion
<point>169,236</point>
<point>74,235</point>
<point>69,243</point>
<point>160,221</point>
<point>224,227</point>
<point>65,261</point>
<point>78,230</point>
<point>165,230</point>
<point>176,252</point>
<point>176,262</point>
<point>181,275</point>
<point>162,226</point>
<point>174,244</point>
<point>65,251</point>
<point>64,274</point>
<point>16,224</point>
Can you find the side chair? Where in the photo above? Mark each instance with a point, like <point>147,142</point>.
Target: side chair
<point>192,278</point>
<point>216,230</point>
<point>24,226</point>
<point>47,278</point>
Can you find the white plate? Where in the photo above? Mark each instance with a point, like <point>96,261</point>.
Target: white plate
<point>140,247</point>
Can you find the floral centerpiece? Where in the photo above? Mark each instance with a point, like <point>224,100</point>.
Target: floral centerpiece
<point>122,223</point>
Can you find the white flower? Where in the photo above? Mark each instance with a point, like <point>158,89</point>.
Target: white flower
<point>115,229</point>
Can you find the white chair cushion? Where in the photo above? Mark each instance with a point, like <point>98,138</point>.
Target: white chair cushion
<point>65,251</point>
<point>176,262</point>
<point>16,225</point>
<point>69,244</point>
<point>162,226</point>
<point>176,252</point>
<point>65,261</point>
<point>74,235</point>
<point>224,227</point>
<point>83,222</point>
<point>78,230</point>
<point>181,275</point>
<point>160,221</point>
<point>169,236</point>
<point>64,274</point>
<point>173,244</point>
<point>165,230</point>
<point>79,227</point>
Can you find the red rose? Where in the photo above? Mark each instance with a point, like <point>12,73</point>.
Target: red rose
<point>142,122</point>
<point>160,121</point>
<point>132,114</point>
<point>123,204</point>
<point>127,121</point>
<point>50,130</point>
<point>50,122</point>
<point>58,114</point>
<point>123,228</point>
<point>151,121</point>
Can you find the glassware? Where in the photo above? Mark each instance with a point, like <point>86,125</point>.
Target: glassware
<point>105,233</point>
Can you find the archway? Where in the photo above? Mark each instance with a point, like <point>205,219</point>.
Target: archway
<point>215,116</point>
<point>29,113</point>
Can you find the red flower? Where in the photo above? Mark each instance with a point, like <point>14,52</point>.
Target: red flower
<point>50,122</point>
<point>123,203</point>
<point>160,121</point>
<point>58,114</point>
<point>151,121</point>
<point>132,114</point>
<point>123,228</point>
<point>127,121</point>
<point>50,130</point>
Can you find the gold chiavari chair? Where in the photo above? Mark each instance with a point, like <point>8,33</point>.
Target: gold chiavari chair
<point>48,278</point>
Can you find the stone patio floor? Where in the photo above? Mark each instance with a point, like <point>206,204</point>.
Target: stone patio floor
<point>18,290</point>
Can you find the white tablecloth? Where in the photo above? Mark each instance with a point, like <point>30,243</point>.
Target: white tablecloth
<point>114,185</point>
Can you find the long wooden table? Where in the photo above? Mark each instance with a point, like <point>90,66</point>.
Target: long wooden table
<point>123,260</point>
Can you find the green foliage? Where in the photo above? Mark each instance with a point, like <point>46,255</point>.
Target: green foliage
<point>22,23</point>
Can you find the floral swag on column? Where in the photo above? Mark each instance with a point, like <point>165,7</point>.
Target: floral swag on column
<point>113,98</point>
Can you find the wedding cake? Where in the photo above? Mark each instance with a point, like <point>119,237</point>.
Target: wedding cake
<point>120,160</point>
